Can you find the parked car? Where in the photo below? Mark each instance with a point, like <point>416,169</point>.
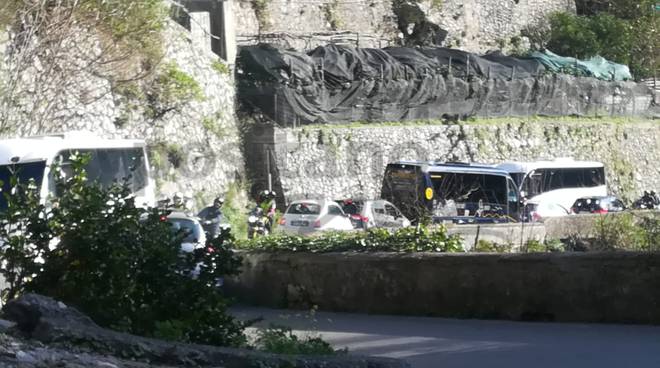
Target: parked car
<point>365,214</point>
<point>598,204</point>
<point>537,210</point>
<point>308,216</point>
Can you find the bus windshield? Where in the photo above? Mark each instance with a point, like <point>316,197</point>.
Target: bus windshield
<point>23,172</point>
<point>110,166</point>
<point>470,192</point>
<point>543,180</point>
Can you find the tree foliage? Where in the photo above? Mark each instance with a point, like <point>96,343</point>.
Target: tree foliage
<point>92,248</point>
<point>624,31</point>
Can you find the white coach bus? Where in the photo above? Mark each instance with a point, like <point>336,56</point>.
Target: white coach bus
<point>112,160</point>
<point>551,187</point>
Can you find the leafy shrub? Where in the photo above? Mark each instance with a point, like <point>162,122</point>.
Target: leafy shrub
<point>235,209</point>
<point>122,265</point>
<point>170,90</point>
<point>281,340</point>
<point>487,246</point>
<point>535,246</point>
<point>629,41</point>
<point>410,239</point>
<point>585,37</point>
<point>221,67</point>
<point>626,231</point>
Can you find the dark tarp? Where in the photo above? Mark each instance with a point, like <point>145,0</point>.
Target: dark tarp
<point>337,84</point>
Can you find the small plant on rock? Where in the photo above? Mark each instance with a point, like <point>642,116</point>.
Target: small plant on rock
<point>282,340</point>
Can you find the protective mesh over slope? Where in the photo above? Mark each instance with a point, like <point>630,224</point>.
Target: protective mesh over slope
<point>336,84</point>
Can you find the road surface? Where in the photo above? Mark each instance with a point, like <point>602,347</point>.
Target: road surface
<point>447,343</point>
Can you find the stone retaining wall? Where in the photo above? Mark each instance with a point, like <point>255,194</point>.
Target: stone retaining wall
<point>349,161</point>
<point>585,287</point>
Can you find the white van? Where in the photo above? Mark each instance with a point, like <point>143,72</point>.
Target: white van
<point>551,187</point>
<point>112,160</point>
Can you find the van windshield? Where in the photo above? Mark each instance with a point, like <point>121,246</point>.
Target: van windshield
<point>23,172</point>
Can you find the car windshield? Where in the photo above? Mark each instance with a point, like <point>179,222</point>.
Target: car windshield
<point>188,227</point>
<point>23,172</point>
<point>304,208</point>
<point>352,208</point>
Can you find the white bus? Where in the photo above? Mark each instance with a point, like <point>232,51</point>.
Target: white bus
<point>112,161</point>
<point>551,187</point>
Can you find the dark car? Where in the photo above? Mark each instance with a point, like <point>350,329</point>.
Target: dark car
<point>597,205</point>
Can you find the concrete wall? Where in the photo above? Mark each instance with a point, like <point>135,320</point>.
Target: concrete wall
<point>349,161</point>
<point>587,287</point>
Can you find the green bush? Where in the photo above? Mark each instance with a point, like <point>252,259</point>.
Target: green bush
<point>626,231</point>
<point>170,90</point>
<point>535,246</point>
<point>122,265</point>
<point>487,246</point>
<point>281,340</point>
<point>410,239</point>
<point>630,41</point>
<point>584,37</point>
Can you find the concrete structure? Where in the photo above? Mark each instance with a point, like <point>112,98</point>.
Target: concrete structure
<point>211,21</point>
<point>586,287</point>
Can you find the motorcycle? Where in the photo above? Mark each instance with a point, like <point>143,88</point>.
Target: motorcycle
<point>648,201</point>
<point>214,227</point>
<point>258,223</point>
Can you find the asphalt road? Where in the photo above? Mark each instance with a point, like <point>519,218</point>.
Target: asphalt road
<point>447,343</point>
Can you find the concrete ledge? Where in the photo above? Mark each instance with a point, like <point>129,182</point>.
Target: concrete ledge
<point>587,287</point>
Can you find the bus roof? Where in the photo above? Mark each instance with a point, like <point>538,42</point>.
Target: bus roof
<point>465,168</point>
<point>559,163</point>
<point>47,146</point>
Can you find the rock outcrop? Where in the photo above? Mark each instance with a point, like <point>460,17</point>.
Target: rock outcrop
<point>62,336</point>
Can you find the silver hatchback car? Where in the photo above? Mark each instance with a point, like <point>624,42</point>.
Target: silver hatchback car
<point>308,216</point>
<point>366,214</point>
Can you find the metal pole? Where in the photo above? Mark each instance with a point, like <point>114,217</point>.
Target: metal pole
<point>275,117</point>
<point>467,72</point>
<point>513,72</point>
<point>449,66</point>
<point>270,178</point>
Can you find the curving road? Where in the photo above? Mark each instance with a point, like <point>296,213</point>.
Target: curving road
<point>447,343</point>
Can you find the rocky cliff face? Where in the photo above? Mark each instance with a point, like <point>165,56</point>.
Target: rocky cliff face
<point>194,143</point>
<point>472,25</point>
